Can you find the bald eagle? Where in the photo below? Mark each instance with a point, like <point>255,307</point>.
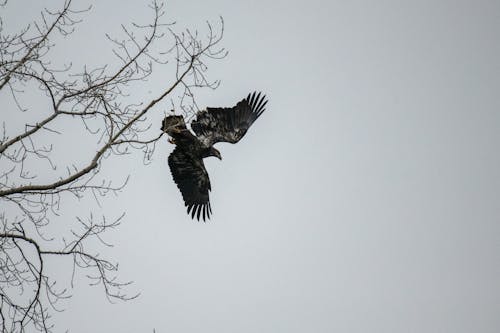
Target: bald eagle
<point>210,126</point>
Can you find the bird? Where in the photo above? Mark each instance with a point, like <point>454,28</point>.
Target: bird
<point>212,125</point>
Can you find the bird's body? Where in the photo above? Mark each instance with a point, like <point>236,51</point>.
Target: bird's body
<point>210,126</point>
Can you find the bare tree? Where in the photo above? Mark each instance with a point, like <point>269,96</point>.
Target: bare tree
<point>36,182</point>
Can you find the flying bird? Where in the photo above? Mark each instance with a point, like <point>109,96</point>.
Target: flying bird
<point>210,126</point>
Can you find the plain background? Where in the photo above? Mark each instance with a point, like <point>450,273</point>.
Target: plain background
<point>365,199</point>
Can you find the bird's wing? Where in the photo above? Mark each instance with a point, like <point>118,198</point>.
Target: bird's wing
<point>191,177</point>
<point>176,128</point>
<point>173,124</point>
<point>228,124</point>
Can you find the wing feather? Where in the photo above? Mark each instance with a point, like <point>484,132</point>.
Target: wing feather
<point>192,179</point>
<point>229,124</point>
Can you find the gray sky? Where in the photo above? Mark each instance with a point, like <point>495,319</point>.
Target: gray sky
<point>365,199</point>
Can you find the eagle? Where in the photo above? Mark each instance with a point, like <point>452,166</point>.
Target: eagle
<point>213,125</point>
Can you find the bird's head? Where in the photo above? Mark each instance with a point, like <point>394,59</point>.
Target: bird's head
<point>216,153</point>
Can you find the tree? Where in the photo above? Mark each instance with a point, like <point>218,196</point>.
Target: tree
<point>99,104</point>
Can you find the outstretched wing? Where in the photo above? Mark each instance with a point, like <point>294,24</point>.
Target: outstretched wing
<point>191,177</point>
<point>228,124</point>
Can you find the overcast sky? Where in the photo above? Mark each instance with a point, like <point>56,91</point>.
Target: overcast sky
<point>365,199</point>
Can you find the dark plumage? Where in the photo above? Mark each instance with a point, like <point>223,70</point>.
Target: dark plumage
<point>210,126</point>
